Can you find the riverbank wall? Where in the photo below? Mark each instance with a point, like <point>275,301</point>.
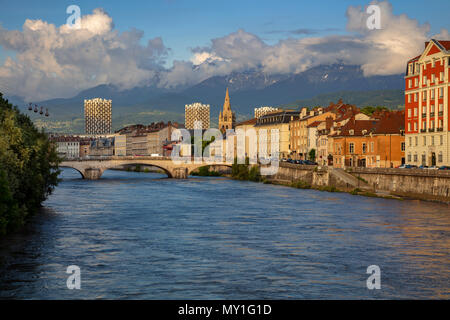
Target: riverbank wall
<point>410,183</point>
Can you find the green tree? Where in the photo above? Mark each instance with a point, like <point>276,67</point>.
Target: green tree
<point>312,154</point>
<point>28,167</point>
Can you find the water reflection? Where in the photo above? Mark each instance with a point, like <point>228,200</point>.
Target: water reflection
<point>141,236</point>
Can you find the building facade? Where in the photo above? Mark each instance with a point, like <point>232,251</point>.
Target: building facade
<point>120,144</point>
<point>196,112</point>
<point>279,121</point>
<point>140,140</point>
<point>227,118</point>
<point>427,95</point>
<point>374,143</point>
<point>98,116</point>
<point>67,146</point>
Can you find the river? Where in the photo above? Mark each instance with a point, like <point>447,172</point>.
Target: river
<point>142,236</point>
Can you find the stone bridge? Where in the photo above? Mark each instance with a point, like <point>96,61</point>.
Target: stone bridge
<point>92,168</point>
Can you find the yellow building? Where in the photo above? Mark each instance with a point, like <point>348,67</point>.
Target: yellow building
<point>277,121</point>
<point>299,130</point>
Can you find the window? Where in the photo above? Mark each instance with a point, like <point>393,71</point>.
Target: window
<point>417,141</point>
<point>441,93</point>
<point>440,158</point>
<point>364,148</point>
<point>432,94</point>
<point>424,94</point>
<point>409,113</point>
<point>441,140</point>
<point>409,98</point>
<point>441,107</point>
<point>424,109</point>
<point>441,76</point>
<point>440,123</point>
<point>424,80</point>
<point>424,141</point>
<point>416,97</point>
<point>372,147</point>
<point>415,126</point>
<point>424,125</point>
<point>432,140</point>
<point>415,158</point>
<point>409,126</point>
<point>409,83</point>
<point>415,112</point>
<point>423,159</point>
<point>416,82</point>
<point>433,78</point>
<point>409,157</point>
<point>403,146</point>
<point>352,148</point>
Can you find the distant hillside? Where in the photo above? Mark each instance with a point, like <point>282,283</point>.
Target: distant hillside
<point>316,86</point>
<point>392,99</point>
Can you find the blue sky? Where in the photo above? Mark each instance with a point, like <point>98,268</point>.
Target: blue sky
<point>184,24</point>
<point>178,43</point>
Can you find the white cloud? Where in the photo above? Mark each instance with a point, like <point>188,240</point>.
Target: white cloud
<point>59,62</point>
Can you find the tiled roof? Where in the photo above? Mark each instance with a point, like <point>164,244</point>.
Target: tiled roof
<point>391,123</point>
<point>445,44</point>
<point>357,126</point>
<point>314,124</point>
<point>247,122</point>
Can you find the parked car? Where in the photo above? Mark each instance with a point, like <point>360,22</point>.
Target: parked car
<point>407,166</point>
<point>423,167</point>
<point>433,168</point>
<point>444,168</point>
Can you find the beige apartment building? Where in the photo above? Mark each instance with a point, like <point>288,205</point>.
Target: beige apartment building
<point>259,112</point>
<point>275,121</point>
<point>196,112</point>
<point>98,116</point>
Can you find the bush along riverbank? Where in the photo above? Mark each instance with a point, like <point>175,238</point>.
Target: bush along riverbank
<point>28,168</point>
<point>245,171</point>
<point>206,172</point>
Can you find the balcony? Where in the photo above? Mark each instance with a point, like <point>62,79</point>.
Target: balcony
<point>423,130</point>
<point>440,113</point>
<point>431,114</point>
<point>440,129</point>
<point>431,130</point>
<point>424,115</point>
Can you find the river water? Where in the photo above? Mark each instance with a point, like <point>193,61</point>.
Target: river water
<point>142,236</point>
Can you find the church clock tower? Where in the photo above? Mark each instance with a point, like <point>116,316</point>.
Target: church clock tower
<point>227,118</point>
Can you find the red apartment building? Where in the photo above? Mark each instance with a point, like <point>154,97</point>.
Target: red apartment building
<point>427,106</point>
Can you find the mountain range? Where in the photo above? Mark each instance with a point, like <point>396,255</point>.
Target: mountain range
<point>316,86</point>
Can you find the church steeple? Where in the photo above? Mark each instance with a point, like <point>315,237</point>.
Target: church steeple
<point>226,104</point>
<point>227,117</point>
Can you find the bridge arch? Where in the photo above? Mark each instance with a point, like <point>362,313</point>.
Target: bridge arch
<point>81,172</point>
<point>166,171</point>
